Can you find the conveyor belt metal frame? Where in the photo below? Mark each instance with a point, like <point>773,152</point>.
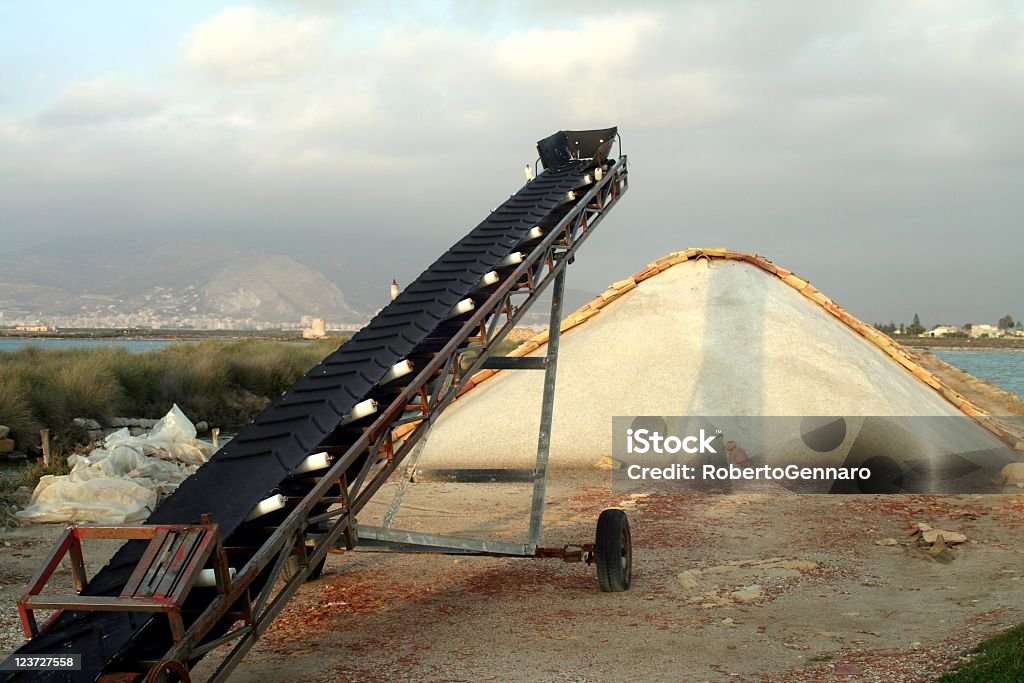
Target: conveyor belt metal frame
<point>386,539</point>
<point>435,386</point>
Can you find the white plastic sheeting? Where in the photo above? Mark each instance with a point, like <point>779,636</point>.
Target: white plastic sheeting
<point>121,482</point>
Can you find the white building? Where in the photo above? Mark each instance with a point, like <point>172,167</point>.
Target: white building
<point>318,330</point>
<point>985,331</point>
<point>941,331</point>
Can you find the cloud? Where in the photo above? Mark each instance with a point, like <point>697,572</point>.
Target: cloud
<point>809,132</point>
<point>107,99</point>
<point>245,43</point>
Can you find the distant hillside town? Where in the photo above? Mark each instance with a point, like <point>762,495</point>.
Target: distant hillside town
<point>313,327</point>
<point>179,288</point>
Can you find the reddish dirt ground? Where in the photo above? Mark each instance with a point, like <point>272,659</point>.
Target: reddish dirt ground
<point>740,587</point>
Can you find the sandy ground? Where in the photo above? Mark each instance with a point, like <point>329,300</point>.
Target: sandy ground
<point>747,586</point>
<point>751,586</point>
<point>741,587</point>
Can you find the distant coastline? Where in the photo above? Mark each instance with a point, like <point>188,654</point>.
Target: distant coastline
<point>174,335</point>
<point>959,344</point>
<point>136,334</point>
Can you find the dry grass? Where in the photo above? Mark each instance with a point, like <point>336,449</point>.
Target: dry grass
<point>15,409</point>
<point>221,382</point>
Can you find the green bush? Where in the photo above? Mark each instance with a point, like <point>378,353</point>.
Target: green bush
<point>82,385</point>
<point>269,369</point>
<point>140,376</point>
<point>998,659</point>
<point>195,378</point>
<point>15,409</point>
<point>224,383</point>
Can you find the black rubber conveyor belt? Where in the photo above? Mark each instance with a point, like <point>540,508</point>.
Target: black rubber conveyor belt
<point>262,455</point>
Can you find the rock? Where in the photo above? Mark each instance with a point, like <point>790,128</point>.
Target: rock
<point>1013,474</point>
<point>752,570</point>
<point>944,536</point>
<point>148,424</point>
<point>932,535</point>
<point>87,423</point>
<point>749,593</point>
<point>119,422</point>
<point>711,602</point>
<point>22,496</point>
<point>688,579</point>
<point>4,432</point>
<point>202,427</point>
<point>937,548</point>
<point>96,434</point>
<point>607,463</point>
<point>887,541</point>
<point>801,565</point>
<point>136,431</point>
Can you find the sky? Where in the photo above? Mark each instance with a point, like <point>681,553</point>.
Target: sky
<point>874,148</point>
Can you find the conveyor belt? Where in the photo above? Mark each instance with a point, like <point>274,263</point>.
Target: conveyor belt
<point>307,418</point>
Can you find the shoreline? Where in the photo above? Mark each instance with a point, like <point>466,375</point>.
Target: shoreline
<point>1015,349</point>
<point>986,394</point>
<point>170,335</point>
<point>183,335</point>
<point>1014,344</point>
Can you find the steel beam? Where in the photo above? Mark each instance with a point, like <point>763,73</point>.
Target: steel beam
<point>540,472</point>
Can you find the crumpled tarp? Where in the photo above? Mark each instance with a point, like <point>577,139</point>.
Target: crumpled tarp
<point>122,481</point>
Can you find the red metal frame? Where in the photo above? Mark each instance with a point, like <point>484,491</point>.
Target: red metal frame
<point>161,581</point>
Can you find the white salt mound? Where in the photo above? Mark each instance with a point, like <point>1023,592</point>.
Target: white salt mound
<point>721,338</point>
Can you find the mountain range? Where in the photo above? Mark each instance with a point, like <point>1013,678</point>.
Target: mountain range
<point>179,280</point>
<point>182,280</point>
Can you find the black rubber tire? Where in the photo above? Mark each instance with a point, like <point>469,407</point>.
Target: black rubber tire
<point>291,568</point>
<point>613,551</point>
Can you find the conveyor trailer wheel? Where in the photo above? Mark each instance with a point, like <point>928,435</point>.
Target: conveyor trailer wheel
<point>613,551</point>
